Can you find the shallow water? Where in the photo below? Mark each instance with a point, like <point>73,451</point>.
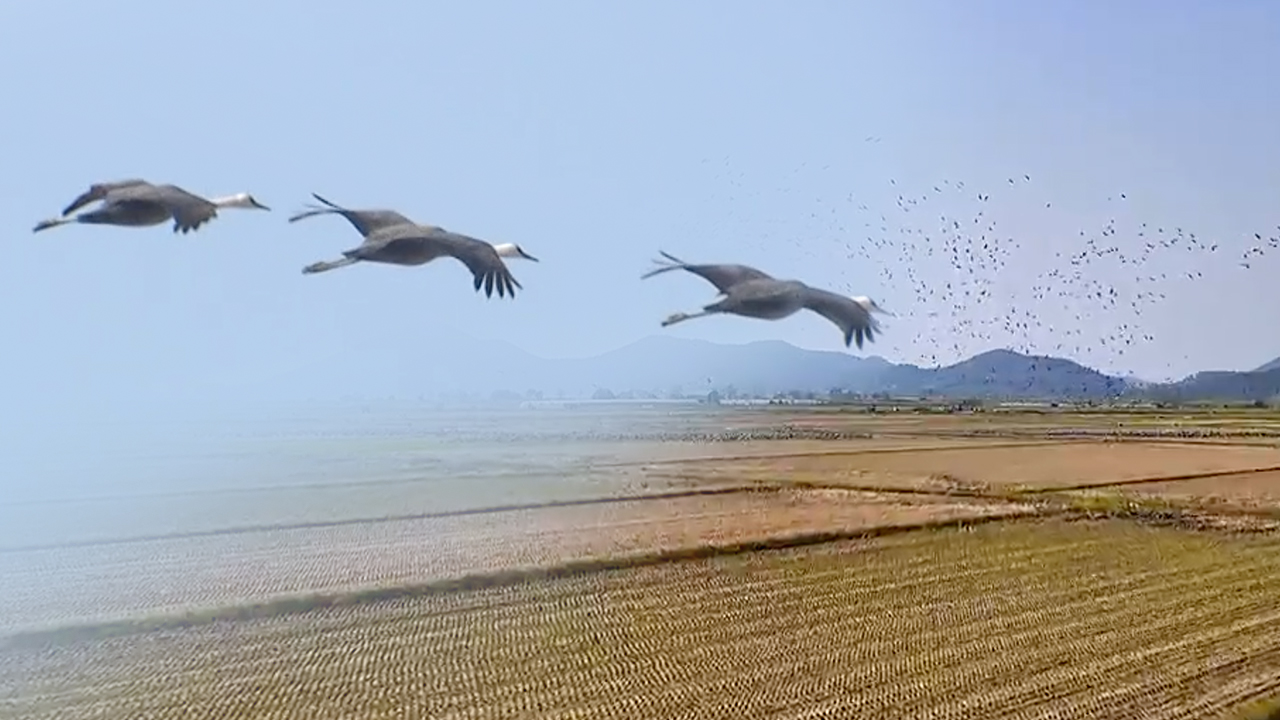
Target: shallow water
<point>114,482</point>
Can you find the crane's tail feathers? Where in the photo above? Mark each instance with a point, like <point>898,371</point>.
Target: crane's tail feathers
<point>671,263</point>
<point>326,207</point>
<point>322,266</point>
<point>328,203</point>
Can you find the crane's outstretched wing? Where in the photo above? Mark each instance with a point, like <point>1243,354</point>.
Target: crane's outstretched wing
<point>854,321</point>
<point>365,222</point>
<point>189,210</point>
<point>722,276</point>
<point>486,267</point>
<point>98,191</point>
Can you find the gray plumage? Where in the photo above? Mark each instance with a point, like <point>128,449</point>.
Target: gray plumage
<point>98,191</point>
<point>722,276</point>
<point>413,245</point>
<point>364,221</point>
<point>138,203</point>
<point>748,292</point>
<point>392,238</point>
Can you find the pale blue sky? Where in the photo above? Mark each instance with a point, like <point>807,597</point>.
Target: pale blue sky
<point>594,134</point>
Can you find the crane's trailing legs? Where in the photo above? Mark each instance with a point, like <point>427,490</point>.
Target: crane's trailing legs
<point>681,317</point>
<point>106,216</point>
<point>322,266</point>
<point>52,223</point>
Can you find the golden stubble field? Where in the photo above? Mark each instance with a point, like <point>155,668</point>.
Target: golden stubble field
<point>1001,573</point>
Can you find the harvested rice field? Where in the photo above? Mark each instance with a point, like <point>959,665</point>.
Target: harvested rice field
<point>1259,490</point>
<point>981,464</point>
<point>1013,619</point>
<point>113,581</point>
<point>749,563</point>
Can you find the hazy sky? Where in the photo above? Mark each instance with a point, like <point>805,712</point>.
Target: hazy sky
<point>595,134</point>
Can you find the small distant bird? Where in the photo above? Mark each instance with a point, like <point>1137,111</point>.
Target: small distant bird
<point>751,293</point>
<point>394,239</point>
<point>138,203</point>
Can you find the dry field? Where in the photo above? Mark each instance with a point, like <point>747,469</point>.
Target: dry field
<point>944,566</point>
<point>1018,619</point>
<point>996,467</point>
<point>51,587</point>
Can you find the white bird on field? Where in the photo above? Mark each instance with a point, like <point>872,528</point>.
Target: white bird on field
<point>138,203</point>
<point>749,292</point>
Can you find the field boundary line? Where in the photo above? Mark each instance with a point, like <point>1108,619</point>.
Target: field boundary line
<point>336,485</point>
<point>880,490</point>
<point>1000,491</point>
<point>308,602</point>
<point>282,527</point>
<point>1263,441</point>
<point>848,452</point>
<point>809,486</point>
<point>1148,480</point>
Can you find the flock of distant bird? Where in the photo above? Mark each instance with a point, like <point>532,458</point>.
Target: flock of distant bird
<point>392,238</point>
<point>967,282</point>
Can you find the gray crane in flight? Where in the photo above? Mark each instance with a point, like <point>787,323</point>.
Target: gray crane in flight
<point>748,292</point>
<point>392,238</point>
<point>138,203</point>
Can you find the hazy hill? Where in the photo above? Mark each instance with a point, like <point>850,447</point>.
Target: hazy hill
<point>1003,373</point>
<point>1221,385</point>
<point>1273,365</point>
<point>661,365</point>
<point>664,363</point>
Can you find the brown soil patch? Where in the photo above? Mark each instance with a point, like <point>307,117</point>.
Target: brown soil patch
<point>1019,620</point>
<point>975,466</point>
<point>668,452</point>
<point>907,422</point>
<point>111,581</point>
<point>1252,490</point>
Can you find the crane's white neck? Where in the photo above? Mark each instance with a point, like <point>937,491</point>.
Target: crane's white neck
<point>507,250</point>
<point>239,200</point>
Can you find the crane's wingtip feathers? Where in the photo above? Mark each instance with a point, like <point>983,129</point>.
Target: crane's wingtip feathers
<point>323,200</point>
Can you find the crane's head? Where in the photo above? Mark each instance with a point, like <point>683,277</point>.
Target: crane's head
<point>240,200</point>
<point>871,305</point>
<point>511,250</point>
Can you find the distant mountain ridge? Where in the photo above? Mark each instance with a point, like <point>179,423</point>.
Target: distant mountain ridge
<point>1273,365</point>
<point>661,365</point>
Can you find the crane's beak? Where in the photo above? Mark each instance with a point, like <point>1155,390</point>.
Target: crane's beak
<point>527,256</point>
<point>254,202</point>
<point>882,311</point>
